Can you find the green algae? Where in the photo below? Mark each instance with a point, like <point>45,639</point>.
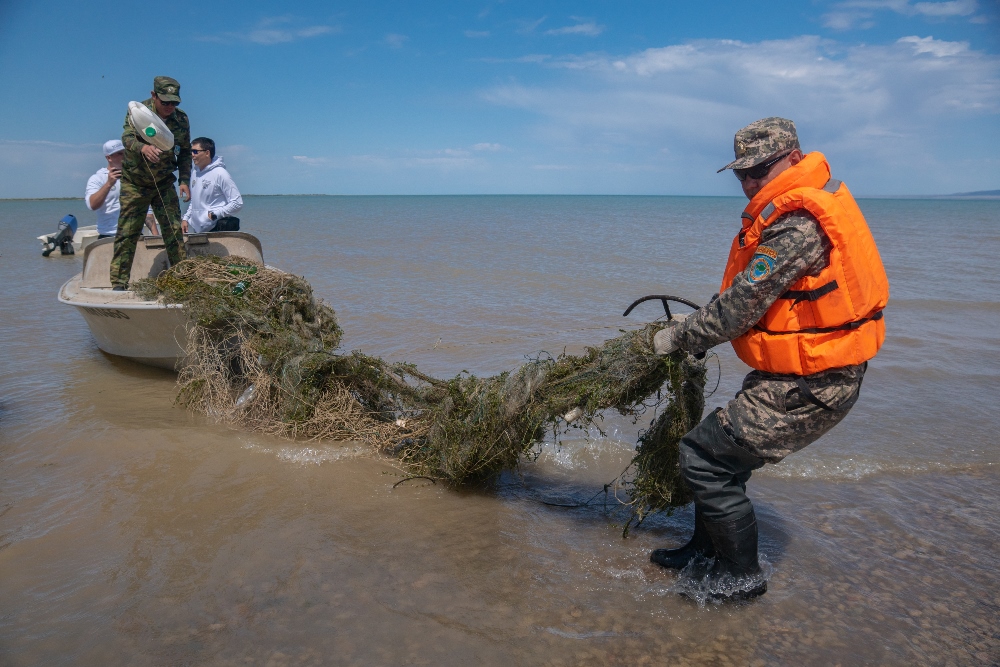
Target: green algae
<point>263,353</point>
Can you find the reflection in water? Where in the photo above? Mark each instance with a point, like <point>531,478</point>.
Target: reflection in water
<point>134,532</point>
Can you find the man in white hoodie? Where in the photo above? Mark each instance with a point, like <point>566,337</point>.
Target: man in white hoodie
<point>214,197</point>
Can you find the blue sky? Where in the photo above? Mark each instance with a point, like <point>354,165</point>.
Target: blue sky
<point>439,97</point>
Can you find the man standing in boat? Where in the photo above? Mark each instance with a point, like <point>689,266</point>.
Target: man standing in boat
<point>801,301</point>
<point>214,195</point>
<point>148,180</point>
<point>103,190</point>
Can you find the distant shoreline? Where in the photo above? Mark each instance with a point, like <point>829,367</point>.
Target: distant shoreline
<point>986,195</point>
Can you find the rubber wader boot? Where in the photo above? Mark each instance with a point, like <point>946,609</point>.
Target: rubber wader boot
<point>736,574</point>
<point>700,545</point>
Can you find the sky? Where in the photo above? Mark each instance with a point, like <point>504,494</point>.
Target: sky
<point>549,97</point>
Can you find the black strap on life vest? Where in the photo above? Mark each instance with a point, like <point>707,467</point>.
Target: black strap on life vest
<point>821,330</point>
<point>812,398</point>
<point>809,295</point>
<point>808,395</point>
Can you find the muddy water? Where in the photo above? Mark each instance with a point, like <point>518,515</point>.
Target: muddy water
<point>133,532</point>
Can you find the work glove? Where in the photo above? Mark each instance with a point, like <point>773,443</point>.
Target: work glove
<point>663,341</point>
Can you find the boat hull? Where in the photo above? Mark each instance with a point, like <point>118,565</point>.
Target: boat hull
<point>148,332</point>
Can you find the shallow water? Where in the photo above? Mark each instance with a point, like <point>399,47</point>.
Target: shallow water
<point>134,532</point>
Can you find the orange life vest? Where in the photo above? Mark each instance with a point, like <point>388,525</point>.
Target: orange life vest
<point>825,321</point>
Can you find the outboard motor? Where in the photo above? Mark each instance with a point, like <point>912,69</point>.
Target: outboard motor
<point>63,238</point>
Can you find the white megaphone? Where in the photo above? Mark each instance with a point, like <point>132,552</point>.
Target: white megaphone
<point>150,126</point>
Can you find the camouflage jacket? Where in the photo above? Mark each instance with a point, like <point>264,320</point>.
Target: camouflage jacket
<point>134,168</point>
<point>801,248</point>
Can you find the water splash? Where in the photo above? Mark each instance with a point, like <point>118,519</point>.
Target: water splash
<point>693,582</point>
<point>313,455</point>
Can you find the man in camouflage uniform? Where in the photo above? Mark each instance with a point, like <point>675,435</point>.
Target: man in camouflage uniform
<point>148,180</point>
<point>774,415</point>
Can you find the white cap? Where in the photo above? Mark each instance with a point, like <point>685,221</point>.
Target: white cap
<point>112,147</point>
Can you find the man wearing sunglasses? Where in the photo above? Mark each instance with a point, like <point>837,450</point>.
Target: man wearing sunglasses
<point>801,301</point>
<point>148,180</point>
<point>214,195</point>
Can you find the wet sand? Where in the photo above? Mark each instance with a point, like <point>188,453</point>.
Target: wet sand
<point>134,532</point>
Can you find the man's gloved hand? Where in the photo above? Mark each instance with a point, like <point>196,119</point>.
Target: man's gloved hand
<point>663,341</point>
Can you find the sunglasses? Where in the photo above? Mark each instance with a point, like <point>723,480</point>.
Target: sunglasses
<point>760,170</point>
<point>195,151</point>
<point>169,104</point>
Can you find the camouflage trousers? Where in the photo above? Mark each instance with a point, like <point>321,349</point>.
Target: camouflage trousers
<point>771,417</point>
<point>135,202</point>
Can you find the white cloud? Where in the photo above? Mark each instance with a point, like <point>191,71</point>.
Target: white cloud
<point>311,161</point>
<point>476,34</point>
<point>589,28</point>
<point>39,168</point>
<point>493,148</point>
<point>885,103</point>
<point>444,158</point>
<point>953,8</point>
<point>395,41</point>
<point>845,20</point>
<point>859,13</point>
<point>554,167</point>
<point>935,47</point>
<point>29,144</point>
<point>530,26</point>
<point>530,58</point>
<point>268,36</point>
<point>236,150</point>
<point>273,30</point>
<point>803,68</point>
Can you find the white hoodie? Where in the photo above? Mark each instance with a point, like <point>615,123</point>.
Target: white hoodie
<point>212,190</point>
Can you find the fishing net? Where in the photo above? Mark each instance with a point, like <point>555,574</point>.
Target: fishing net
<point>264,353</point>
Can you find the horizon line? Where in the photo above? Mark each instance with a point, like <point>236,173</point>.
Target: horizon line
<point>981,194</point>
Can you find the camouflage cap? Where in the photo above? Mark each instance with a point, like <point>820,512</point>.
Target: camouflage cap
<point>762,139</point>
<point>167,89</point>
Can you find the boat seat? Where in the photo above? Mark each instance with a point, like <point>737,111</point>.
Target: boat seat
<point>151,254</point>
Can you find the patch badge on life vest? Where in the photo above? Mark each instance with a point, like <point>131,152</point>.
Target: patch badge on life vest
<point>760,268</point>
<point>770,252</point>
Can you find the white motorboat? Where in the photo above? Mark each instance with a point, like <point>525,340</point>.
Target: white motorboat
<point>86,235</point>
<point>149,332</point>
<point>83,237</point>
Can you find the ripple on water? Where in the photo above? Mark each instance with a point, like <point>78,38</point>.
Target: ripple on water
<point>857,468</point>
<point>309,455</point>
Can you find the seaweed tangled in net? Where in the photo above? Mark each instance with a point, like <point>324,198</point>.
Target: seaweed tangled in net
<point>263,353</point>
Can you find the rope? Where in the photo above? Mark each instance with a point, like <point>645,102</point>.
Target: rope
<point>718,379</point>
<point>604,490</point>
<point>163,204</point>
<point>407,479</point>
